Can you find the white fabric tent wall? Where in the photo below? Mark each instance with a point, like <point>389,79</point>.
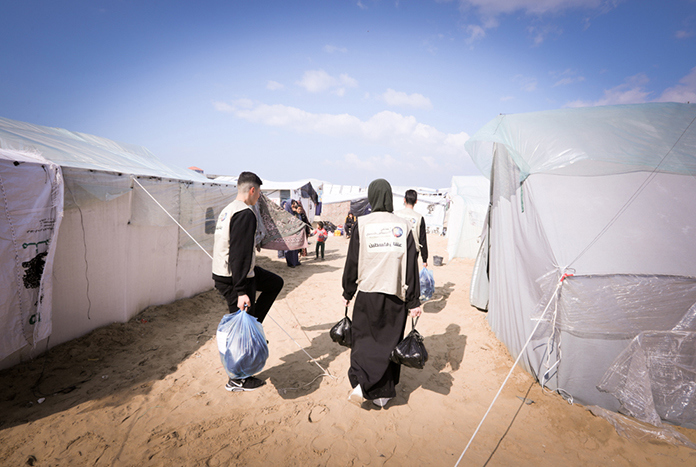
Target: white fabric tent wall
<point>31,208</point>
<point>117,251</point>
<point>607,195</point>
<point>469,204</point>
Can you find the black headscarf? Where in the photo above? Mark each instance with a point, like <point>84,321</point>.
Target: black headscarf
<point>379,194</point>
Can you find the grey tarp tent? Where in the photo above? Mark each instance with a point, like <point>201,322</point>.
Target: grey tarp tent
<point>604,197</point>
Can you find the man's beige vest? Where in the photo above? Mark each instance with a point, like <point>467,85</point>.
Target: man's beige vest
<point>221,247</point>
<point>415,220</point>
<point>382,257</point>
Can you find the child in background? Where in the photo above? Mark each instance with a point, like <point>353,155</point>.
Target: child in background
<point>321,234</point>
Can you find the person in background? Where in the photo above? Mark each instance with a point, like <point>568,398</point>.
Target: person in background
<point>322,235</point>
<point>292,258</point>
<point>382,267</point>
<point>416,222</point>
<point>348,225</point>
<point>235,272</point>
<point>301,215</point>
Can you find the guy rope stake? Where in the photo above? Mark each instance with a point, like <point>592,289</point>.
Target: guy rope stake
<point>558,286</point>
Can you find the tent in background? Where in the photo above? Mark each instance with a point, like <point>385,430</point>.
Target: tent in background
<point>467,213</point>
<point>338,200</point>
<point>301,190</point>
<point>431,204</point>
<point>116,252</point>
<point>591,233</point>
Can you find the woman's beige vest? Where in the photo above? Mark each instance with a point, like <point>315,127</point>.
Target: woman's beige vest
<point>382,257</point>
<point>221,247</point>
<point>415,220</point>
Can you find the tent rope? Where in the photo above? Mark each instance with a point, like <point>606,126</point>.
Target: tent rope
<point>325,372</point>
<point>539,320</point>
<point>171,217</point>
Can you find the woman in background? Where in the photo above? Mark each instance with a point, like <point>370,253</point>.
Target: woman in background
<point>291,257</point>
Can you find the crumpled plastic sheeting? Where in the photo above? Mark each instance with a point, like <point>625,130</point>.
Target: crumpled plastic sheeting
<point>641,432</point>
<point>654,379</point>
<point>620,306</point>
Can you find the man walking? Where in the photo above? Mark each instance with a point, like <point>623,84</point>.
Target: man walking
<point>235,272</point>
<point>416,222</point>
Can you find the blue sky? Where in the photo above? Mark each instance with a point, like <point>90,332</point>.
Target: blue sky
<point>342,91</point>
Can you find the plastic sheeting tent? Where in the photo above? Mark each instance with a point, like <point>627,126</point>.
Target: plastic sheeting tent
<point>591,235</point>
<point>116,250</point>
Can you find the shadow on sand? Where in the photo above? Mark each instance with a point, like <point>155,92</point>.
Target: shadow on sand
<point>439,300</point>
<point>443,350</point>
<point>123,360</point>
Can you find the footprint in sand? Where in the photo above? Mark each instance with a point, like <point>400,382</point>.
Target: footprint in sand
<point>317,413</point>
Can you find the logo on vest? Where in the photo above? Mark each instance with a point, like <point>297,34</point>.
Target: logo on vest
<point>383,237</point>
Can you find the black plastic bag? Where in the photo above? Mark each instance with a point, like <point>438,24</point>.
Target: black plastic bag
<point>341,333</point>
<point>411,350</point>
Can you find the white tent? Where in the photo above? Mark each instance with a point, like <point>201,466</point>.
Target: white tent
<point>116,252</point>
<point>431,204</point>
<point>300,190</point>
<point>336,201</point>
<point>591,243</point>
<point>467,213</point>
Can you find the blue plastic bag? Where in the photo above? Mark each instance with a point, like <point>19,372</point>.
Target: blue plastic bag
<point>242,345</point>
<point>427,284</point>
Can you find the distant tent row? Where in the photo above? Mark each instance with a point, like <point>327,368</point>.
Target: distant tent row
<point>339,200</point>
<point>589,249</point>
<point>304,191</point>
<point>83,245</point>
<point>467,214</point>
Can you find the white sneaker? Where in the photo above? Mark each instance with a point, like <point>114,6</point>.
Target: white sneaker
<point>356,396</point>
<point>382,401</point>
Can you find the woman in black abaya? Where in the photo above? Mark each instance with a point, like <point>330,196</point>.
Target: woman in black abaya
<point>379,319</point>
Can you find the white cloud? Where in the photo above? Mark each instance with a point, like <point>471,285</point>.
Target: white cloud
<point>361,6</point>
<point>274,85</point>
<point>488,12</point>
<point>532,7</point>
<point>368,164</point>
<point>527,83</point>
<point>385,128</point>
<point>332,48</point>
<point>401,99</point>
<point>685,91</point>
<point>566,77</point>
<point>632,91</point>
<point>569,80</point>
<point>320,81</point>
<point>506,98</point>
<point>475,32</point>
<point>683,34</point>
<point>223,107</point>
<point>540,33</point>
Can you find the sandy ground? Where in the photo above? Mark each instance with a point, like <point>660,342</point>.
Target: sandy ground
<point>151,392</point>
